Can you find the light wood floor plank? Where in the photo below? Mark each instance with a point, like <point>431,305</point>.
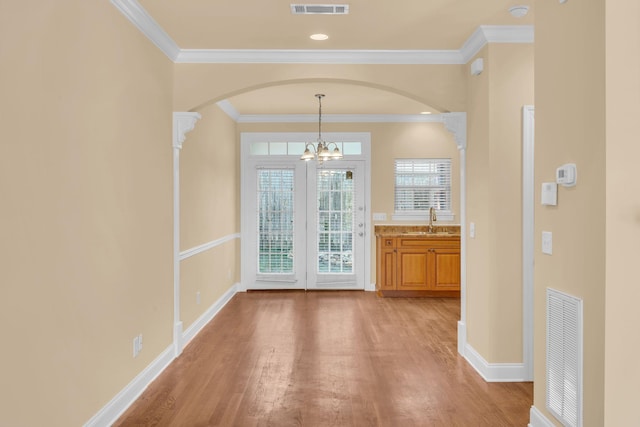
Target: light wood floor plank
<point>328,359</point>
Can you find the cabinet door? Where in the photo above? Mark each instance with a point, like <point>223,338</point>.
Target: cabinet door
<point>445,274</point>
<point>413,269</point>
<point>387,274</point>
<point>386,264</point>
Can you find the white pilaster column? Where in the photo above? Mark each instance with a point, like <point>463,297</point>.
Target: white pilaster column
<point>456,123</point>
<point>182,123</point>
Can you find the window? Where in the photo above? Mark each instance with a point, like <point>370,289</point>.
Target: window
<point>291,148</point>
<point>421,184</point>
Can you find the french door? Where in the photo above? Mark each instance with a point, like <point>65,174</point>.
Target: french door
<point>308,225</point>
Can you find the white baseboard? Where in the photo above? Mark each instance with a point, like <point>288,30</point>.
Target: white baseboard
<point>121,402</point>
<point>206,317</point>
<point>537,419</point>
<point>495,372</point>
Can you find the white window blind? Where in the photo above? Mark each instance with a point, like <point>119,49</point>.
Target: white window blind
<point>421,184</point>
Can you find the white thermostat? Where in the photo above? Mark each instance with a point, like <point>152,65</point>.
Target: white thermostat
<point>566,175</point>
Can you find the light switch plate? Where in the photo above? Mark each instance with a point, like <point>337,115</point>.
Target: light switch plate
<point>472,230</point>
<point>380,216</point>
<point>549,193</point>
<point>547,242</point>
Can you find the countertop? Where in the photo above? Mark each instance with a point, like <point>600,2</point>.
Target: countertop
<point>439,231</point>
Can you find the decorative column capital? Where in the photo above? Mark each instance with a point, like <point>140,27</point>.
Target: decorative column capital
<point>456,123</point>
<point>183,122</point>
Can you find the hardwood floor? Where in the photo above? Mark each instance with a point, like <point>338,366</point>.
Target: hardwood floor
<point>328,359</point>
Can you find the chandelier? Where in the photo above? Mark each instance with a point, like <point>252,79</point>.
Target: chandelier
<point>321,150</point>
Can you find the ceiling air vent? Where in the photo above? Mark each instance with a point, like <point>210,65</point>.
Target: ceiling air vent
<point>320,9</point>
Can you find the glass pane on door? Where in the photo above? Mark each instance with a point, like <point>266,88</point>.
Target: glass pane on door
<point>335,193</point>
<point>275,221</point>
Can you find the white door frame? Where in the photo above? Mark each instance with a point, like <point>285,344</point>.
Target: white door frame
<point>246,138</point>
<point>333,280</point>
<point>293,280</point>
<point>528,237</point>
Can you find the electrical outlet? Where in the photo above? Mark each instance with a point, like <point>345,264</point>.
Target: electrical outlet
<point>139,343</point>
<point>198,297</point>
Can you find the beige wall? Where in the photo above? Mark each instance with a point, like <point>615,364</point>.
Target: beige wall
<point>494,188</point>
<point>440,86</point>
<point>478,211</point>
<point>622,343</point>
<point>209,210</point>
<point>570,127</point>
<point>389,141</point>
<point>85,178</point>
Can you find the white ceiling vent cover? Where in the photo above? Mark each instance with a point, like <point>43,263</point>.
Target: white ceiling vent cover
<point>320,9</point>
<point>564,357</point>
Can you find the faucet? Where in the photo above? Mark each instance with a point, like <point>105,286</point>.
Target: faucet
<point>432,218</point>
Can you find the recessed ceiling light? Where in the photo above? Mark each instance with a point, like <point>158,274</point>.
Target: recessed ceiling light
<point>518,11</point>
<point>426,112</point>
<point>318,37</point>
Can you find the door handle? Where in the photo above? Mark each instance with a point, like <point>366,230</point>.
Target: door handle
<point>361,234</point>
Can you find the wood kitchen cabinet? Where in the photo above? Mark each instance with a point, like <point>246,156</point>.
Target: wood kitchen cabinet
<point>424,265</point>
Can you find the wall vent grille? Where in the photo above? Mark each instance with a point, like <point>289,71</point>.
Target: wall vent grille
<point>320,9</point>
<point>564,357</point>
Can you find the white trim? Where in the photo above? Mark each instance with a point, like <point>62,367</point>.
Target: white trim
<point>537,419</point>
<point>495,34</point>
<point>208,315</point>
<point>303,56</point>
<point>528,237</point>
<point>340,118</point>
<point>128,395</point>
<point>456,123</point>
<point>228,108</point>
<point>148,26</point>
<point>484,34</point>
<point>121,402</point>
<point>246,138</point>
<point>206,246</point>
<point>462,324</point>
<point>183,122</point>
<point>494,372</point>
<point>371,287</point>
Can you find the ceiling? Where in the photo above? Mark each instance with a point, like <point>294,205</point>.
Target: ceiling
<point>369,25</point>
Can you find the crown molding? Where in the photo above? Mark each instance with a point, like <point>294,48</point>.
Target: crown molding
<point>148,26</point>
<point>342,118</point>
<point>484,34</point>
<point>297,56</point>
<point>495,34</point>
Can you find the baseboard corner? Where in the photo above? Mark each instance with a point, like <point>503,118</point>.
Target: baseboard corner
<point>537,419</point>
<point>494,372</point>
